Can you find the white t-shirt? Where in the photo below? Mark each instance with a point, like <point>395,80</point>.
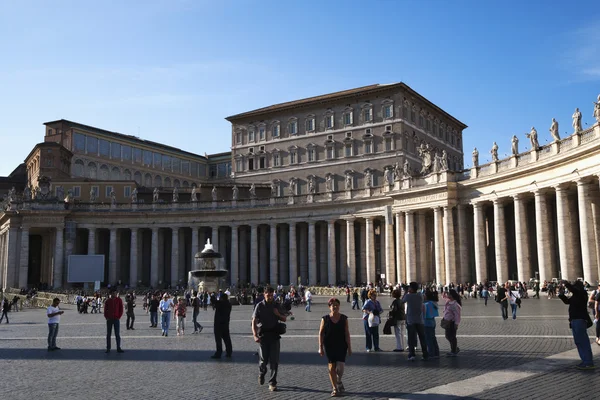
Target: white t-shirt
<point>308,295</point>
<point>56,318</point>
<point>513,296</point>
<point>165,305</point>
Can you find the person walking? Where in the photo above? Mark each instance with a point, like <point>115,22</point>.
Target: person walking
<point>597,314</point>
<point>221,326</point>
<point>334,341</point>
<point>502,298</point>
<point>129,306</point>
<point>397,312</point>
<point>355,300</point>
<point>5,307</point>
<point>431,311</point>
<point>308,299</point>
<point>113,311</point>
<point>415,321</point>
<point>180,310</point>
<point>514,298</point>
<point>53,313</point>
<point>153,310</point>
<point>452,311</point>
<point>579,321</point>
<point>165,306</point>
<point>485,294</point>
<point>371,323</point>
<point>196,304</point>
<point>265,320</point>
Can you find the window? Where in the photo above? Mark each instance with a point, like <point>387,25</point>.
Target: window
<point>293,127</point>
<point>312,154</point>
<point>330,153</point>
<point>76,191</point>
<point>251,135</point>
<point>115,151</point>
<point>166,163</point>
<point>276,160</point>
<point>239,165</point>
<point>104,148</point>
<point>368,131</point>
<point>96,191</point>
<point>329,121</point>
<point>348,134</point>
<point>310,124</point>
<point>367,115</point>
<point>185,167</point>
<point>127,191</point>
<point>238,137</point>
<point>348,118</point>
<point>261,133</point>
<point>435,129</point>
<point>78,142</point>
<point>388,111</point>
<point>157,160</point>
<point>251,164</point>
<point>137,155</point>
<point>388,128</point>
<point>421,122</point>
<point>261,149</point>
<point>262,162</point>
<point>275,131</point>
<point>405,111</point>
<point>368,147</point>
<point>176,165</point>
<point>427,124</point>
<point>388,144</point>
<point>348,150</point>
<point>293,157</point>
<point>329,137</point>
<point>108,191</point>
<point>412,115</point>
<point>250,150</point>
<point>92,145</point>
<point>147,158</point>
<point>126,153</point>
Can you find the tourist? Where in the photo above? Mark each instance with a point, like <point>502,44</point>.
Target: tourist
<point>196,303</point>
<point>165,306</point>
<point>597,314</point>
<point>113,311</point>
<point>221,326</point>
<point>415,321</point>
<point>502,298</point>
<point>129,306</point>
<point>5,307</point>
<point>267,315</point>
<point>431,311</point>
<point>53,313</point>
<point>514,298</point>
<point>308,299</point>
<point>152,308</point>
<point>485,294</point>
<point>579,321</point>
<point>371,319</point>
<point>334,341</point>
<point>355,300</point>
<point>180,310</point>
<point>452,311</point>
<point>397,312</point>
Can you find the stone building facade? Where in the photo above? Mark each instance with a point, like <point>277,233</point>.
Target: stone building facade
<point>356,186</point>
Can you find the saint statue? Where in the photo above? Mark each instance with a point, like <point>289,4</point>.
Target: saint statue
<point>406,168</point>
<point>113,198</point>
<point>92,195</point>
<point>253,191</point>
<point>273,189</point>
<point>397,171</point>
<point>155,194</point>
<point>554,130</point>
<point>533,138</point>
<point>60,193</point>
<point>214,193</point>
<point>329,183</point>
<point>27,193</point>
<point>311,185</point>
<point>475,156</point>
<point>444,160</point>
<point>577,121</point>
<point>12,195</point>
<point>494,152</point>
<point>36,194</point>
<point>387,176</point>
<point>236,192</point>
<point>134,196</point>
<point>292,186</point>
<point>597,109</point>
<point>514,142</point>
<point>426,161</point>
<point>348,181</point>
<point>194,195</point>
<point>175,194</point>
<point>368,179</point>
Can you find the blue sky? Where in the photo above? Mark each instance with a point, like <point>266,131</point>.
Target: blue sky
<point>171,71</point>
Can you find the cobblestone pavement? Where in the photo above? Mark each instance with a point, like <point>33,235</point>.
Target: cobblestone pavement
<point>530,357</point>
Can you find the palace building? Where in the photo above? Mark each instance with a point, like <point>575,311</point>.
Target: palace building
<point>362,185</point>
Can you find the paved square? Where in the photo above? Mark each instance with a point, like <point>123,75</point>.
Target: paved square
<point>530,357</point>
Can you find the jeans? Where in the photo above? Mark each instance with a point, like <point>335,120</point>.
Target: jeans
<point>400,333</point>
<point>4,314</point>
<point>355,304</point>
<point>197,325</point>
<point>130,320</point>
<point>432,345</point>
<point>165,321</point>
<point>222,335</point>
<point>307,308</point>
<point>372,335</point>
<point>504,309</point>
<point>486,299</point>
<point>514,311</point>
<point>268,353</point>
<point>415,330</point>
<point>582,341</point>
<point>109,325</point>
<point>154,318</point>
<point>451,337</point>
<point>180,323</point>
<point>52,333</point>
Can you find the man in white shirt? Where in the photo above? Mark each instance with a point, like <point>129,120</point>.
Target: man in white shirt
<point>165,306</point>
<point>308,299</point>
<point>227,292</point>
<point>53,313</point>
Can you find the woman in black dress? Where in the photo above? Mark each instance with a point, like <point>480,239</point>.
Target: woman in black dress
<point>334,340</point>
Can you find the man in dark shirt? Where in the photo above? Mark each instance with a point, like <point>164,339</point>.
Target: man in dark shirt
<point>579,319</point>
<point>221,323</point>
<point>130,305</point>
<point>267,314</point>
<point>153,310</point>
<point>196,303</point>
<point>113,311</point>
<point>501,297</point>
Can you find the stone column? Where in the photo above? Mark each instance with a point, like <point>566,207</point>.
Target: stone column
<point>273,256</point>
<point>411,249</point>
<point>401,254</point>
<point>235,261</point>
<point>195,245</point>
<point>263,275</point>
<point>449,248</point>
<point>350,252</point>
<point>370,249</point>
<point>174,256</point>
<point>480,243</point>
<point>57,273</point>
<point>303,252</point>
<point>439,246</point>
<point>565,244</point>
<point>215,237</point>
<point>322,254</point>
<point>254,254</point>
<point>243,243</point>
<point>522,239</point>
<point>463,245</point>
<point>586,233</point>
<point>154,259</point>
<point>390,253</point>
<point>24,257</point>
<point>312,254</point>
<point>500,242</point>
<point>422,272</point>
<point>91,241</point>
<point>112,257</point>
<point>133,258</point>
<point>543,236</point>
<point>362,250</point>
<point>331,256</point>
<point>342,270</point>
<point>293,254</point>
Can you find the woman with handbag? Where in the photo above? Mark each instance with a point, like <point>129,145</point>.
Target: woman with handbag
<point>371,319</point>
<point>451,320</point>
<point>334,341</point>
<point>397,312</point>
<point>515,301</point>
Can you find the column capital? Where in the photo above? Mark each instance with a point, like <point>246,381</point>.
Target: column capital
<point>562,187</point>
<point>498,202</point>
<point>331,222</point>
<point>437,210</point>
<point>583,182</point>
<point>477,205</point>
<point>134,228</point>
<point>311,222</point>
<point>461,206</point>
<point>519,196</point>
<point>409,212</point>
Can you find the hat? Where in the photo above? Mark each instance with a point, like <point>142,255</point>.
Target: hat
<point>166,295</point>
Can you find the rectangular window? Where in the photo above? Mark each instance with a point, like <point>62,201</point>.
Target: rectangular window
<point>127,191</point>
<point>115,151</point>
<point>147,158</point>
<point>92,145</point>
<point>263,162</point>
<point>412,116</point>
<point>126,153</point>
<point>368,147</point>
<point>176,165</point>
<point>251,135</point>
<point>212,171</point>
<point>348,118</point>
<point>348,151</point>
<point>311,155</point>
<point>405,112</point>
<point>157,160</point>
<point>293,128</point>
<point>166,163</point>
<point>428,125</point>
<point>367,115</point>
<point>276,160</point>
<point>223,169</point>
<point>387,111</point>
<point>185,167</point>
<point>78,142</point>
<point>137,155</point>
<point>201,170</point>
<point>310,124</point>
<point>329,122</point>
<point>292,157</point>
<point>250,164</point>
<point>76,191</point>
<point>104,148</point>
<point>261,133</point>
<point>194,171</point>
<point>421,121</point>
<point>238,165</point>
<point>107,191</point>
<point>275,131</point>
<point>330,153</point>
<point>238,138</point>
<point>388,144</point>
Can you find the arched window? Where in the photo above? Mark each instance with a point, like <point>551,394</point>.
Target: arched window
<point>104,172</point>
<point>157,181</point>
<point>92,170</point>
<point>137,177</point>
<point>186,184</point>
<point>176,183</point>
<point>148,180</point>
<point>78,168</point>
<point>127,175</point>
<point>167,182</point>
<point>115,174</point>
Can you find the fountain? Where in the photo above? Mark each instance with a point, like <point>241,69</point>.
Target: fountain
<point>209,274</point>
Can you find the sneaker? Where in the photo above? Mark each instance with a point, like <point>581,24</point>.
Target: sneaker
<point>119,350</point>
<point>412,358</point>
<point>56,348</point>
<point>398,350</point>
<point>451,354</point>
<point>163,334</point>
<point>200,329</point>
<point>368,350</point>
<point>272,388</point>
<point>340,387</point>
<point>585,367</point>
<point>378,349</point>
<point>215,356</point>
<point>261,379</point>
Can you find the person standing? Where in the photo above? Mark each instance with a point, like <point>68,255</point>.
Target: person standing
<point>5,307</point>
<point>431,311</point>
<point>196,303</point>
<point>53,313</point>
<point>502,298</point>
<point>334,341</point>
<point>372,306</point>
<point>397,312</point>
<point>579,321</point>
<point>452,311</point>
<point>165,306</point>
<point>113,311</point>
<point>513,295</point>
<point>355,300</point>
<point>265,318</point>
<point>221,326</point>
<point>415,321</point>
<point>180,310</point>
<point>308,299</point>
<point>130,305</point>
<point>153,310</point>
<point>485,294</point>
<point>597,314</point>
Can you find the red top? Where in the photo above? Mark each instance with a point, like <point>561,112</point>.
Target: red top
<point>113,308</point>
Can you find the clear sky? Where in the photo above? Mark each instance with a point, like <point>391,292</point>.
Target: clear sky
<point>171,71</point>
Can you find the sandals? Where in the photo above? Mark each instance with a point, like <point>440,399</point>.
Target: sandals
<point>335,393</point>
